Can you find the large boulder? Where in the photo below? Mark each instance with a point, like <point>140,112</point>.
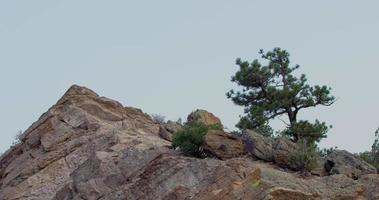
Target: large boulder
<point>258,145</point>
<point>223,145</point>
<point>347,163</point>
<point>168,129</point>
<point>203,116</point>
<point>278,150</point>
<point>283,152</point>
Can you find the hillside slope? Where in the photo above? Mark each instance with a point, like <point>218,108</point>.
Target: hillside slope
<point>92,147</point>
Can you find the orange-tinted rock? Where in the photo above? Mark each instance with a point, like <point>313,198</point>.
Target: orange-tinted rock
<point>203,116</point>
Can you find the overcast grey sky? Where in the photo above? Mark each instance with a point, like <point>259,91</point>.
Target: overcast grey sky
<point>171,57</point>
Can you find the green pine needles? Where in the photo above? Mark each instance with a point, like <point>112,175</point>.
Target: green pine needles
<point>191,139</point>
<point>271,90</point>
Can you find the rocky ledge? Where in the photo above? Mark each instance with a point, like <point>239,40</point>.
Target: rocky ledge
<point>88,147</point>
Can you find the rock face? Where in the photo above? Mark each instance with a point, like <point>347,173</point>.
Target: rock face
<point>90,147</point>
<point>168,129</point>
<point>203,116</point>
<point>346,163</point>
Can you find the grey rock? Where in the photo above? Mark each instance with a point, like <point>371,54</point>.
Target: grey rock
<point>168,129</point>
<point>258,145</point>
<point>91,147</point>
<point>348,164</point>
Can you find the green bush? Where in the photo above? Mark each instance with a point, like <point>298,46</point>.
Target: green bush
<point>191,139</point>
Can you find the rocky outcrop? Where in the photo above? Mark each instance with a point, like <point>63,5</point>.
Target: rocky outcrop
<point>278,150</point>
<point>223,145</point>
<point>73,132</point>
<point>91,147</point>
<point>203,116</point>
<point>168,129</point>
<point>343,162</point>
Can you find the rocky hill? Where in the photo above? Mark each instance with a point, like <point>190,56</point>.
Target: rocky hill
<point>91,147</point>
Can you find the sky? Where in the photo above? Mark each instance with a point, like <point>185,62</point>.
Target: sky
<point>172,57</point>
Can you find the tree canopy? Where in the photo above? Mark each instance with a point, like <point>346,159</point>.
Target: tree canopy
<point>271,90</point>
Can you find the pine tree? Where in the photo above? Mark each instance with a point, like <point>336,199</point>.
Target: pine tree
<point>375,147</point>
<point>271,90</point>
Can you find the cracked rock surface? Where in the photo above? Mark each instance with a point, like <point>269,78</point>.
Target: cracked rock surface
<point>88,147</point>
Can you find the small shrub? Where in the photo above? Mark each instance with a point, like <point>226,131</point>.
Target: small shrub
<point>306,156</point>
<point>369,157</point>
<point>17,138</point>
<point>191,139</point>
<point>237,133</point>
<point>372,157</point>
<point>179,121</point>
<point>326,151</point>
<point>159,119</point>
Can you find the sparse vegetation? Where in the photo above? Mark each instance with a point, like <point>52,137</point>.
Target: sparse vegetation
<point>179,121</point>
<point>191,139</point>
<point>17,138</point>
<point>368,157</point>
<point>372,157</point>
<point>306,156</point>
<point>158,118</point>
<point>326,151</point>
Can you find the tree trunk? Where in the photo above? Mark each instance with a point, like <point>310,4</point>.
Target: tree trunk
<point>292,118</point>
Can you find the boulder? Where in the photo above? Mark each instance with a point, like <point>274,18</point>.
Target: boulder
<point>223,145</point>
<point>283,151</point>
<point>278,150</point>
<point>203,116</point>
<point>347,163</point>
<point>168,129</point>
<point>258,145</point>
